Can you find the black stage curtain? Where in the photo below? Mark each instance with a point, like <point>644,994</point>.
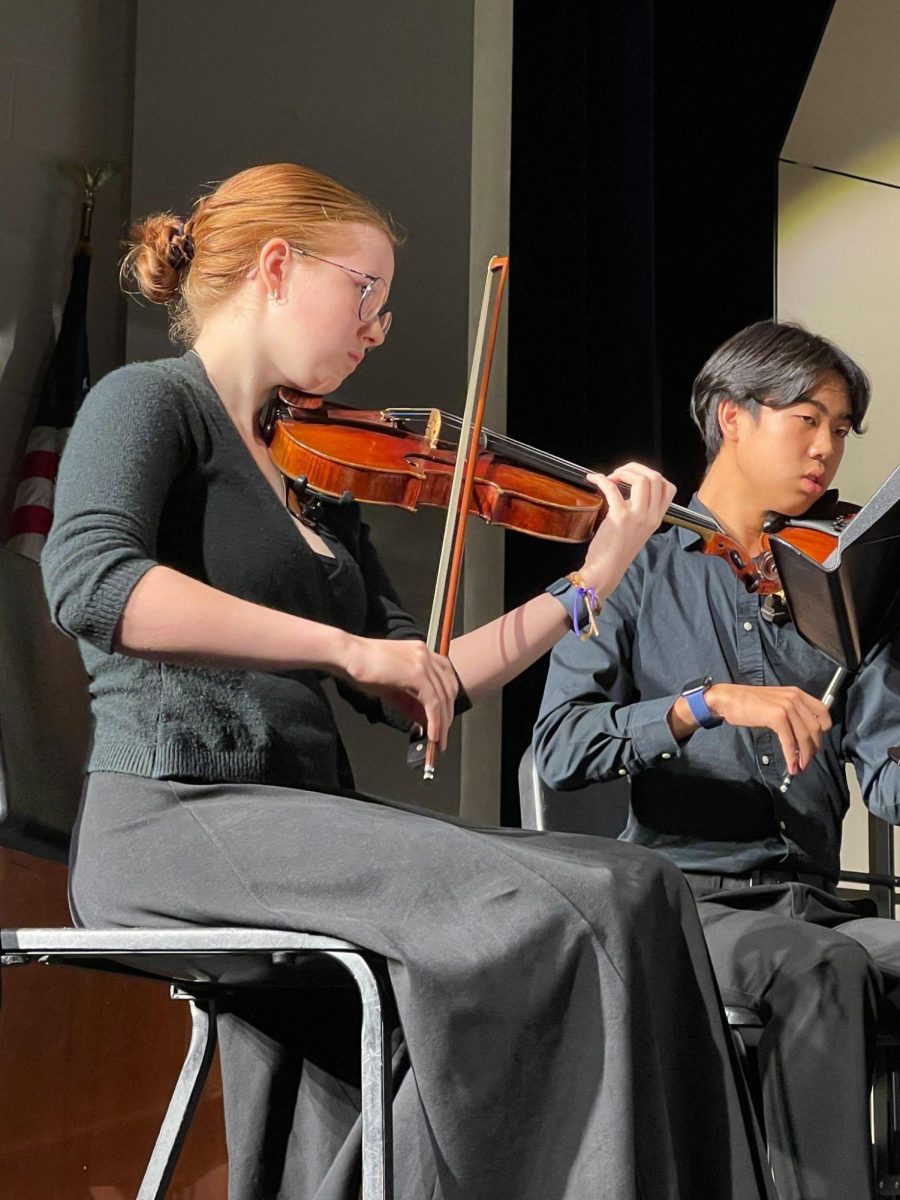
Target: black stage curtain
<point>645,139</point>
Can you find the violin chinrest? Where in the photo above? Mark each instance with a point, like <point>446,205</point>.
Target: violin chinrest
<point>297,399</point>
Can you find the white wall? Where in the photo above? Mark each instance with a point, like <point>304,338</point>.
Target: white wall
<point>66,72</point>
<point>839,217</point>
<point>382,97</point>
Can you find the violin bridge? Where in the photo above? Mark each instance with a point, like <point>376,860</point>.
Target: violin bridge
<point>426,422</point>
<point>433,428</point>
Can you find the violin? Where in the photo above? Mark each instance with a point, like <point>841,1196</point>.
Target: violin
<point>405,457</point>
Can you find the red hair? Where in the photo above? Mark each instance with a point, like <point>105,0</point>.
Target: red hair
<point>193,265</point>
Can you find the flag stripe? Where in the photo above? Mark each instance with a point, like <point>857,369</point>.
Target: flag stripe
<point>41,464</point>
<point>28,544</point>
<point>31,518</point>
<point>45,437</point>
<point>36,491</point>
<point>62,390</point>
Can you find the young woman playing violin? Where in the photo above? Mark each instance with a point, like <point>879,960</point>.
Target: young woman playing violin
<point>560,1023</point>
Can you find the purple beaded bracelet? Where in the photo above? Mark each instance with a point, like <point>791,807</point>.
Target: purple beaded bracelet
<point>592,606</point>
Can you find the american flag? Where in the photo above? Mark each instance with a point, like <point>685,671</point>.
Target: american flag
<point>62,391</point>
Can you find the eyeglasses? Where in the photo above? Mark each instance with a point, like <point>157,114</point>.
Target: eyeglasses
<point>373,292</point>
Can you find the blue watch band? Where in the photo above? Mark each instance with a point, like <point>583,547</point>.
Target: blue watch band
<point>696,698</point>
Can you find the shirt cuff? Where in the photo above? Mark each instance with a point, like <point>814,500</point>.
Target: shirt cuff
<point>653,739</point>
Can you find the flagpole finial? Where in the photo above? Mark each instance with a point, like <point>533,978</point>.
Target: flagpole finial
<point>90,177</point>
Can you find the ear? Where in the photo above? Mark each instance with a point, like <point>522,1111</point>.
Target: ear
<point>273,264</point>
<point>730,417</point>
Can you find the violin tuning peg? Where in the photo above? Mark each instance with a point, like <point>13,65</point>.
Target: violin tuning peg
<point>299,486</point>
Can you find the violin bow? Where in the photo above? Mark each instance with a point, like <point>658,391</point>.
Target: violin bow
<point>828,698</point>
<point>446,590</point>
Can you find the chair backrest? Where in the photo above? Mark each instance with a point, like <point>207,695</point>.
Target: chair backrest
<point>880,879</point>
<point>600,808</point>
<point>881,863</point>
<point>44,716</point>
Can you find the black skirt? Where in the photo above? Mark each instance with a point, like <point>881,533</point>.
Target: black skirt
<point>563,1033</point>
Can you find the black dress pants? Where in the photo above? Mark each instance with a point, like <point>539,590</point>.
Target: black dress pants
<point>809,964</point>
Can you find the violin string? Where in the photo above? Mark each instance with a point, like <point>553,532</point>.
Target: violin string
<point>529,452</point>
<point>572,472</point>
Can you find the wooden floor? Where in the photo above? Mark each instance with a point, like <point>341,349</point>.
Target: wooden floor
<point>88,1064</point>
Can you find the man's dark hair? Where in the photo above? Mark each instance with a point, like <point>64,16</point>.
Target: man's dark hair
<point>772,364</point>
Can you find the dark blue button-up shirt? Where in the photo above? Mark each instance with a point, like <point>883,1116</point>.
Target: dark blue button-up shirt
<point>712,802</point>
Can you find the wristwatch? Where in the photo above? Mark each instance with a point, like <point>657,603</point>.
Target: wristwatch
<point>695,694</point>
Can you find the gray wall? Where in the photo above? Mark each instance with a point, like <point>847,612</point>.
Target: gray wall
<point>382,97</point>
<point>66,72</point>
<point>482,597</point>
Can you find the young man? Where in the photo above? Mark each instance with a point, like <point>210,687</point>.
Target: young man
<point>703,695</point>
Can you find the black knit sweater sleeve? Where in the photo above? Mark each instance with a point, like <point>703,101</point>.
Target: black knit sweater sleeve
<point>109,496</point>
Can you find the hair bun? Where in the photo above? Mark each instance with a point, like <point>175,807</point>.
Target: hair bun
<point>159,252</point>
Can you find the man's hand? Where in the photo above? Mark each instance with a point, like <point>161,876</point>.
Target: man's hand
<point>798,719</point>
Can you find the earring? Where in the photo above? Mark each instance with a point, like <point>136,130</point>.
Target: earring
<point>273,296</point>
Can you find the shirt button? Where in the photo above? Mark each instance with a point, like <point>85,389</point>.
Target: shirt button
<point>666,755</point>
<point>781,825</point>
<point>748,625</point>
<point>622,771</point>
<point>765,760</point>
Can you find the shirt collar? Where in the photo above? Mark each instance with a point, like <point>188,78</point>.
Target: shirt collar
<point>688,537</point>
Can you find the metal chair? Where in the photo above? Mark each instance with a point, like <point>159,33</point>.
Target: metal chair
<point>43,688</point>
<point>882,883</point>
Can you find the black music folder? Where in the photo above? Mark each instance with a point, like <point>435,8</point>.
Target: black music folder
<point>850,603</point>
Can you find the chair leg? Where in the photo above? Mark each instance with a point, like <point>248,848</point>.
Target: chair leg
<point>746,1074</point>
<point>886,1112</point>
<point>746,1057</point>
<point>184,1100</point>
<point>377,1090</point>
